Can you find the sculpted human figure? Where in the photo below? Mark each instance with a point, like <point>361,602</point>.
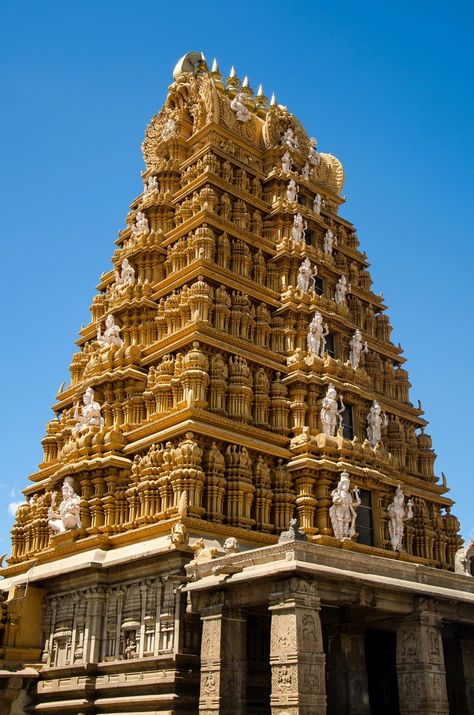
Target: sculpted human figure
<point>126,276</point>
<point>342,287</point>
<point>286,161</point>
<point>357,347</point>
<point>331,414</point>
<point>298,229</point>
<point>329,242</point>
<point>231,545</point>
<point>242,113</point>
<point>292,191</point>
<point>289,139</point>
<point>317,335</point>
<point>141,224</point>
<point>375,420</point>
<point>398,515</point>
<point>343,512</point>
<point>306,171</point>
<point>313,156</point>
<point>305,276</point>
<point>90,415</point>
<point>169,130</point>
<point>151,185</point>
<point>111,335</point>
<point>318,203</point>
<point>68,516</point>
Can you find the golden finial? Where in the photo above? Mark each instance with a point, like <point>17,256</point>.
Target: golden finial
<point>273,101</point>
<point>233,82</point>
<point>216,74</point>
<point>246,86</point>
<point>261,102</point>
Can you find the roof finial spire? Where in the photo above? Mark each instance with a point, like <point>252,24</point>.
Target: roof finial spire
<point>273,101</point>
<point>233,82</point>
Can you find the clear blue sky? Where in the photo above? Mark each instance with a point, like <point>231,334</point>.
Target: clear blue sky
<point>386,87</point>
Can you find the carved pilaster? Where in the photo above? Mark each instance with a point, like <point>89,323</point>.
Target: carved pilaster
<point>420,663</point>
<point>296,650</point>
<point>223,659</point>
<point>347,676</point>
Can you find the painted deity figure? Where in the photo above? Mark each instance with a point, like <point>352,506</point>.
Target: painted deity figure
<point>316,338</point>
<point>398,515</point>
<point>376,419</point>
<point>141,224</point>
<point>342,287</point>
<point>343,512</point>
<point>288,139</point>
<point>242,113</point>
<point>313,156</point>
<point>125,277</point>
<point>286,161</point>
<point>331,414</point>
<point>169,130</point>
<point>305,276</point>
<point>357,347</point>
<point>306,171</point>
<point>111,334</point>
<point>329,242</point>
<point>68,516</point>
<point>151,185</point>
<point>90,415</point>
<point>292,191</point>
<point>298,229</point>
<point>318,203</point>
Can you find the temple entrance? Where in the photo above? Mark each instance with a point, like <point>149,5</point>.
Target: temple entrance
<point>380,658</point>
<point>258,663</point>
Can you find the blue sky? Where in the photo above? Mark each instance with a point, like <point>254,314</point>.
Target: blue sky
<point>386,87</point>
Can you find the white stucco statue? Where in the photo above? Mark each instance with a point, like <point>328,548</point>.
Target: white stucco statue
<point>298,229</point>
<point>68,515</point>
<point>126,275</point>
<point>286,161</point>
<point>151,185</point>
<point>317,335</point>
<point>376,419</point>
<point>242,113</point>
<point>289,139</point>
<point>398,515</point>
<point>306,171</point>
<point>305,276</point>
<point>342,287</point>
<point>169,130</point>
<point>329,242</point>
<point>357,347</point>
<point>111,334</point>
<point>292,191</point>
<point>331,414</point>
<point>463,560</point>
<point>318,203</point>
<point>343,512</point>
<point>141,224</point>
<point>313,156</point>
<point>89,415</point>
<point>231,545</point>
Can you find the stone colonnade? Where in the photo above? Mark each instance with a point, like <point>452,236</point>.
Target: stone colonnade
<point>298,661</point>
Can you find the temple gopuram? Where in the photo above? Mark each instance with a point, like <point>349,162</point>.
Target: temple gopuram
<point>237,511</point>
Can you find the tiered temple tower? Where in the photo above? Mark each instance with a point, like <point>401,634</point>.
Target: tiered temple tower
<point>236,363</point>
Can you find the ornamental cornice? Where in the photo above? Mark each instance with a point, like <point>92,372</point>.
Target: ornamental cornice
<point>219,130</point>
<point>208,177</point>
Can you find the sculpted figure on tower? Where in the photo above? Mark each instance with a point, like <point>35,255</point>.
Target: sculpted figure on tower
<point>343,512</point>
<point>398,515</point>
<point>90,415</point>
<point>317,335</point>
<point>111,334</point>
<point>331,414</point>
<point>357,347</point>
<point>376,419</point>
<point>67,516</point>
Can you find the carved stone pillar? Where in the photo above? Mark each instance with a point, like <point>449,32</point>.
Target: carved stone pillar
<point>467,654</point>
<point>223,659</point>
<point>348,690</point>
<point>296,649</point>
<point>420,663</point>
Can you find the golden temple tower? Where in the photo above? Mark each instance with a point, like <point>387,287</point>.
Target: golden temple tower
<point>237,374</point>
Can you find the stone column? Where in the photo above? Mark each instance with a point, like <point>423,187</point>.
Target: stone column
<point>348,689</point>
<point>223,658</point>
<point>296,649</point>
<point>420,663</point>
<point>467,654</point>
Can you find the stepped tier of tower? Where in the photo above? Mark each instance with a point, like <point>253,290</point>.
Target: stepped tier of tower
<point>205,394</point>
